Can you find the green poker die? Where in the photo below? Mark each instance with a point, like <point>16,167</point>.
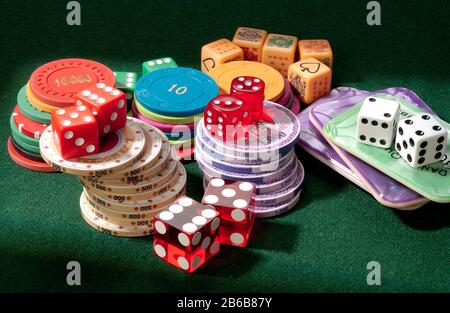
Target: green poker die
<point>153,65</point>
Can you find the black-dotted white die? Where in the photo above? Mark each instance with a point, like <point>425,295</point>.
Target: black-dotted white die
<point>377,120</point>
<point>421,140</point>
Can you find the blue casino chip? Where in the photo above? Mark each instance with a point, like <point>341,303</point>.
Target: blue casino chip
<point>177,91</point>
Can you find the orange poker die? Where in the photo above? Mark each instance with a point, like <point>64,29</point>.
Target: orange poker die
<point>319,49</point>
<point>310,78</point>
<point>279,52</point>
<point>219,52</point>
<point>251,40</point>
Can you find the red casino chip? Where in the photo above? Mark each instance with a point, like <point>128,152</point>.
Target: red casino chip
<point>55,83</point>
<point>22,161</point>
<point>26,126</point>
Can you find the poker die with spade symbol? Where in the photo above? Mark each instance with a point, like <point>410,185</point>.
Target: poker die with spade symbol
<point>377,121</point>
<point>421,140</point>
<point>186,234</point>
<point>310,78</point>
<point>232,201</point>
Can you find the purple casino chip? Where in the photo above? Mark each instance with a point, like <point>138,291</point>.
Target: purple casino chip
<point>283,196</point>
<point>221,164</point>
<point>271,211</point>
<point>285,181</point>
<point>385,189</point>
<point>260,178</point>
<point>265,141</point>
<point>231,156</point>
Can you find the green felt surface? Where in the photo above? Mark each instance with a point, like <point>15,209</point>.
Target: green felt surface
<point>322,245</point>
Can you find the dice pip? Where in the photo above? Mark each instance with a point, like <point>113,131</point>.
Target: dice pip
<point>108,104</point>
<point>219,52</point>
<point>75,131</point>
<point>279,52</point>
<point>310,78</point>
<point>186,234</point>
<point>377,121</point>
<point>318,49</point>
<point>232,201</point>
<point>250,40</point>
<point>421,140</point>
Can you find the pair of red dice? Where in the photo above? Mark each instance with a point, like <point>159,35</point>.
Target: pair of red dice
<point>188,233</point>
<point>226,114</point>
<point>98,111</point>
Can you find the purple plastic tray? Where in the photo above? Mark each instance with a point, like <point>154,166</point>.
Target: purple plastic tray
<point>385,189</point>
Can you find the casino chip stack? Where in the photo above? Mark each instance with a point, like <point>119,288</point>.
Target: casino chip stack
<point>135,176</point>
<point>265,158</point>
<point>171,99</point>
<point>51,86</point>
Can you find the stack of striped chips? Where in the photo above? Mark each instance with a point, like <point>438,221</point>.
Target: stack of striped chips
<point>135,176</point>
<point>50,87</point>
<point>266,158</point>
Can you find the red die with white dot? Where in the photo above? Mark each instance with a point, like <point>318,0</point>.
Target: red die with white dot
<point>75,131</point>
<point>232,201</point>
<point>108,103</point>
<point>248,84</point>
<point>251,90</point>
<point>185,232</point>
<point>223,114</point>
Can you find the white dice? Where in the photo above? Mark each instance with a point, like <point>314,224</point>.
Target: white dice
<point>421,140</point>
<point>377,121</point>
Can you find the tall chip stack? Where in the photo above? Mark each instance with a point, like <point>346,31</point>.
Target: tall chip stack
<point>265,157</point>
<point>50,87</point>
<point>172,98</point>
<point>134,176</point>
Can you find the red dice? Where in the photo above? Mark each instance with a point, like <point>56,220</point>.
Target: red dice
<point>186,234</point>
<point>108,103</point>
<point>248,84</point>
<point>232,202</point>
<point>223,114</point>
<point>251,90</point>
<point>75,131</point>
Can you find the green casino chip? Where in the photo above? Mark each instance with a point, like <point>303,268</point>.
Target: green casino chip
<point>29,110</point>
<point>21,136</point>
<point>24,145</point>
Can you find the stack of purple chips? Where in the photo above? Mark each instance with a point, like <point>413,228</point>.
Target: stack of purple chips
<point>266,158</point>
